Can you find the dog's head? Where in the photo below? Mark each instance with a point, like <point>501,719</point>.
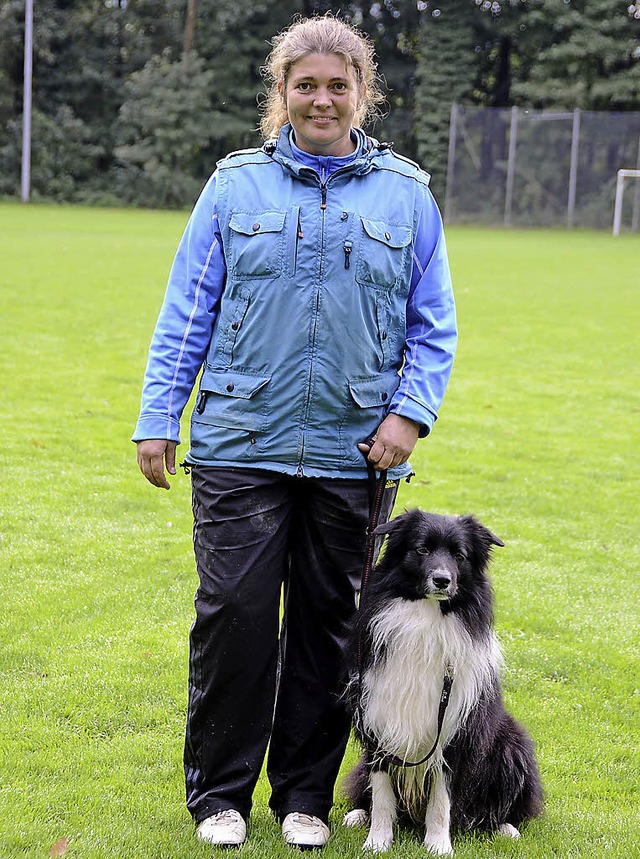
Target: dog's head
<point>436,557</point>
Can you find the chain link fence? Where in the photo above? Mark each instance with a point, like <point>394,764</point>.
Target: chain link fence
<point>529,168</point>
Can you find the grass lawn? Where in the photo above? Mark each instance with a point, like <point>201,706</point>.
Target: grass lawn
<point>538,436</point>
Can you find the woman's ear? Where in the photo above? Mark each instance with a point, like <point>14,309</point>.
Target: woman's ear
<point>362,94</point>
<point>283,92</point>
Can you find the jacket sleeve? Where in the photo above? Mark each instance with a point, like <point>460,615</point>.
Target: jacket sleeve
<point>431,325</point>
<point>183,330</point>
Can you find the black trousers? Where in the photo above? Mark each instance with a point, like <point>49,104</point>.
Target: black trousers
<point>252,681</point>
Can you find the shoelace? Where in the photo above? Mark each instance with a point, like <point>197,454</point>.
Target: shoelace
<point>229,815</point>
<point>307,821</point>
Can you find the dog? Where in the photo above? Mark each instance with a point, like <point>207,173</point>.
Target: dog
<point>438,745</point>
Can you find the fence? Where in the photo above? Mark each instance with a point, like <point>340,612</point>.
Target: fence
<point>523,167</point>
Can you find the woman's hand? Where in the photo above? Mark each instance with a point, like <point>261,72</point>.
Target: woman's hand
<point>152,455</point>
<point>393,442</point>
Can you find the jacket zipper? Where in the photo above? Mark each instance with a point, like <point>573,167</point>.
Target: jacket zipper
<point>323,207</point>
<point>348,247</point>
<point>299,236</point>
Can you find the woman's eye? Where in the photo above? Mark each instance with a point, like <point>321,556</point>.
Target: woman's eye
<point>304,87</point>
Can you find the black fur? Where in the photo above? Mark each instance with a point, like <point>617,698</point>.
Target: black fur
<point>490,768</point>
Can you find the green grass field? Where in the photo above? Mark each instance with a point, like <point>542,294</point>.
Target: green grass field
<point>538,437</point>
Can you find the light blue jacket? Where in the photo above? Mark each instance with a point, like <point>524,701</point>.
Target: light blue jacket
<point>314,306</point>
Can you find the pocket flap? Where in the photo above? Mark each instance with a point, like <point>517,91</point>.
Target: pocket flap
<point>392,235</point>
<point>231,383</point>
<point>253,225</point>
<point>374,391</point>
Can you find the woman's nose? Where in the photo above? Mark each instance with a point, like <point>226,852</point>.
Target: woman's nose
<point>322,98</point>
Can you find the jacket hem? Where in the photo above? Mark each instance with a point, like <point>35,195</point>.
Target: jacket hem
<point>303,470</point>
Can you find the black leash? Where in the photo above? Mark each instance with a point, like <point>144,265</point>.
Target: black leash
<point>376,494</point>
<point>377,486</point>
<point>380,756</point>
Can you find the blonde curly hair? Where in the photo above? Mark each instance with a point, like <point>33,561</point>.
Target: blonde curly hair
<point>319,35</point>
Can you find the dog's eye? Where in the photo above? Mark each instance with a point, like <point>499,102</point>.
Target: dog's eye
<point>422,550</point>
<point>460,557</point>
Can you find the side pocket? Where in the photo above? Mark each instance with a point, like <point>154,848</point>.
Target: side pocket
<point>382,318</point>
<point>231,415</point>
<point>233,324</point>
<point>368,401</point>
<point>295,240</point>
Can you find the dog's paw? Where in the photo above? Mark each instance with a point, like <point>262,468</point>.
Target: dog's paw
<point>377,843</point>
<point>356,817</point>
<point>375,846</point>
<point>439,845</point>
<point>508,831</point>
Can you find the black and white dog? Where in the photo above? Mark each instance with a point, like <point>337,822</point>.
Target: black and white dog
<point>438,744</point>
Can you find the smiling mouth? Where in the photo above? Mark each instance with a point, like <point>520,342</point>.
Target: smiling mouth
<point>323,120</point>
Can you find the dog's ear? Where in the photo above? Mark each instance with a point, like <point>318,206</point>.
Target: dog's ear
<point>495,540</point>
<point>388,527</point>
<point>481,531</point>
<point>396,524</point>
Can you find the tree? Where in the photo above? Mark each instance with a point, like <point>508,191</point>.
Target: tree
<point>167,132</point>
<point>445,76</point>
<point>587,55</point>
<point>540,53</point>
<point>63,156</point>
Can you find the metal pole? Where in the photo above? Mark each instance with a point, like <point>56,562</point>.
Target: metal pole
<point>453,128</point>
<point>636,196</point>
<point>511,167</point>
<point>617,212</point>
<point>26,101</point>
<point>573,169</point>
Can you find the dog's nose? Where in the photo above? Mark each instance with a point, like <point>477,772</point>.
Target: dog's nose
<point>441,580</point>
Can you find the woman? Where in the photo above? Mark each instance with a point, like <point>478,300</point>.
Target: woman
<point>312,288</point>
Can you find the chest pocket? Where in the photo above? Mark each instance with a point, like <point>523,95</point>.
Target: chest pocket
<point>383,253</point>
<point>256,244</point>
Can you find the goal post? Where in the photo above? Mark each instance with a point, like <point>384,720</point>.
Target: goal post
<point>623,175</point>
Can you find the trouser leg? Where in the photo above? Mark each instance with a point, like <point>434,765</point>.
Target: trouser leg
<point>241,519</point>
<point>311,724</point>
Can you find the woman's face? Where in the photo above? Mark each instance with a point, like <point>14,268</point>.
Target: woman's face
<point>321,97</point>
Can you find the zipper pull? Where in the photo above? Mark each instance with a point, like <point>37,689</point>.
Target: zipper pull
<point>323,191</point>
<point>348,247</point>
<point>201,402</point>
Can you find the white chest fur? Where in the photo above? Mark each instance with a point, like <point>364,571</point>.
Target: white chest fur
<point>413,645</point>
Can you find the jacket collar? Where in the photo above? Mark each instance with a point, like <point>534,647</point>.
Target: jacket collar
<point>369,148</point>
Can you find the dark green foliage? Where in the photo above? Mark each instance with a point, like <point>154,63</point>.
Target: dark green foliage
<point>114,121</point>
<point>582,54</point>
<point>445,47</point>
<point>166,132</point>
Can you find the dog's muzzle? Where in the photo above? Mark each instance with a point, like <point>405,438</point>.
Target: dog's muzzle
<point>440,584</point>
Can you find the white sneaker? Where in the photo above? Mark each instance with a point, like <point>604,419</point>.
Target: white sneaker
<point>304,830</point>
<point>226,829</point>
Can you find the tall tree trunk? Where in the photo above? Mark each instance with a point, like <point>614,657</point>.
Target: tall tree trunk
<point>189,27</point>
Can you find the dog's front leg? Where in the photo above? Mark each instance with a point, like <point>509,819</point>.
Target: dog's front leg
<point>383,813</point>
<point>437,819</point>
